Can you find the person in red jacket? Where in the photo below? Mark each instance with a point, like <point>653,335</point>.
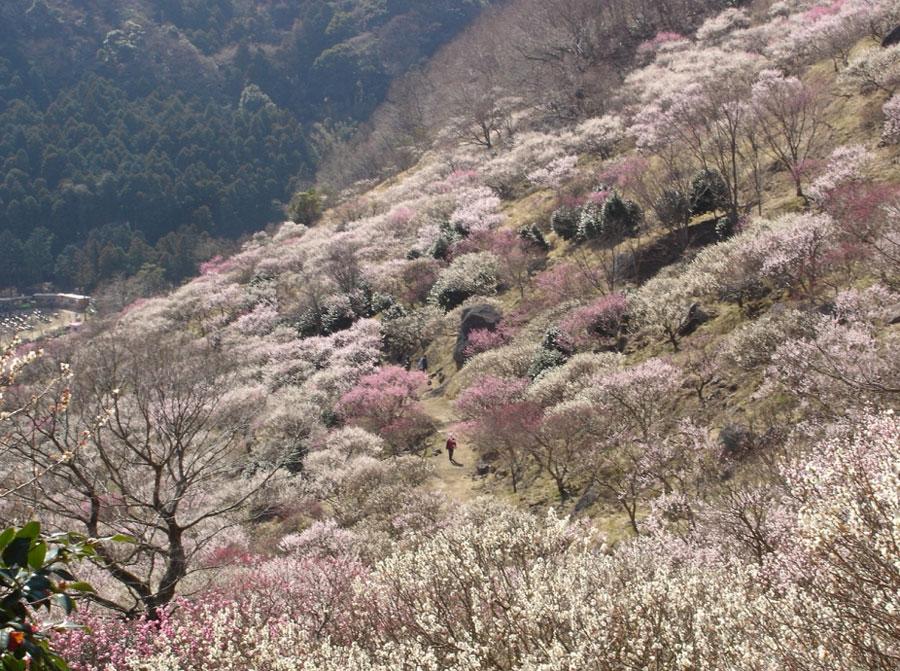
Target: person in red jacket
<point>451,445</point>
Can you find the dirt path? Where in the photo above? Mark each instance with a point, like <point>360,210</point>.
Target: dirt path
<point>455,481</point>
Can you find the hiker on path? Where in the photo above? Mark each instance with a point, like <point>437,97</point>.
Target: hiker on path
<point>451,445</point>
<point>423,367</point>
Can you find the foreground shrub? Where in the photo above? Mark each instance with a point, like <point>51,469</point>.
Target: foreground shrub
<point>497,587</point>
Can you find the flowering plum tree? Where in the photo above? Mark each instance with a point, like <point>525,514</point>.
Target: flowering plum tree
<point>152,448</point>
<point>845,167</point>
<point>555,173</point>
<point>792,121</point>
<point>631,409</point>
<point>468,275</point>
<point>482,340</point>
<point>796,252</point>
<point>876,69</point>
<point>498,417</point>
<point>385,403</point>
<point>837,367</point>
<point>662,305</point>
<point>602,319</point>
<point>891,133</point>
<point>476,210</point>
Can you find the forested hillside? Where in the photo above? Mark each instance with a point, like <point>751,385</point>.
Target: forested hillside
<point>122,123</point>
<point>600,371</point>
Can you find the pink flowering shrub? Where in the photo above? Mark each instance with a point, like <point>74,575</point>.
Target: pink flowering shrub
<point>385,402</point>
<point>216,265</point>
<point>482,340</point>
<point>498,417</point>
<point>417,277</point>
<point>791,120</point>
<point>625,172</point>
<point>283,598</point>
<point>649,47</point>
<point>602,319</point>
<point>563,281</point>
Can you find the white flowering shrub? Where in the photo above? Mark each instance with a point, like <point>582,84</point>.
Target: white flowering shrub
<point>510,361</point>
<point>599,135</point>
<point>555,173</point>
<point>752,345</point>
<point>891,109</point>
<point>468,275</point>
<point>476,210</point>
<point>876,69</point>
<point>715,29</point>
<point>846,166</point>
<point>661,305</point>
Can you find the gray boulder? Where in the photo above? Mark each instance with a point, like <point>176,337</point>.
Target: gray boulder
<point>482,316</point>
<point>696,316</point>
<point>893,314</point>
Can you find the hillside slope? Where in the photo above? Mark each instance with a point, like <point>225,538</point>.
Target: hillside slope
<point>669,335</point>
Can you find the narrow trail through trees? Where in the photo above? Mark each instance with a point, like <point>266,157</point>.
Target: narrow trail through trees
<point>456,482</point>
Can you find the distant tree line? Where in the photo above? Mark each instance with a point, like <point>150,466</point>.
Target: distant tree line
<point>198,118</point>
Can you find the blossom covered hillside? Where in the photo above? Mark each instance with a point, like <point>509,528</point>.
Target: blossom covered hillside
<point>668,331</point>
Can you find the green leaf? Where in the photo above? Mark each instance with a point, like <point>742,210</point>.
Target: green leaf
<point>10,663</point>
<point>16,553</point>
<point>30,530</point>
<point>6,537</point>
<point>37,554</point>
<point>58,662</point>
<point>123,538</point>
<point>82,586</point>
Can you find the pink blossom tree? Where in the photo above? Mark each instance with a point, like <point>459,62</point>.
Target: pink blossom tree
<point>601,320</point>
<point>385,402</point>
<point>499,418</point>
<point>482,340</point>
<point>791,117</point>
<point>631,410</point>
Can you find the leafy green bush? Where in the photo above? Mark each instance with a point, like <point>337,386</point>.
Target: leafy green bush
<point>34,577</point>
<point>305,207</point>
<point>564,222</point>
<point>709,192</point>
